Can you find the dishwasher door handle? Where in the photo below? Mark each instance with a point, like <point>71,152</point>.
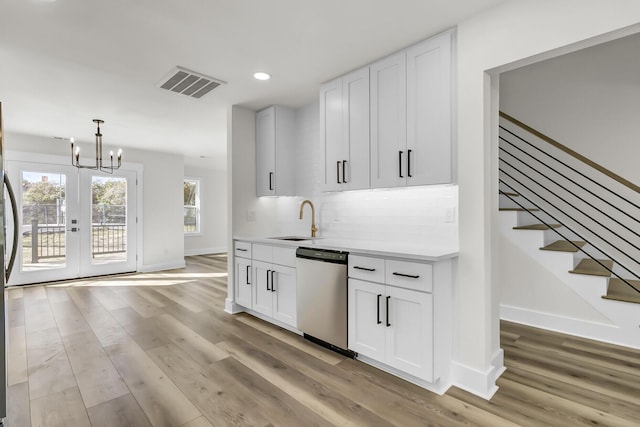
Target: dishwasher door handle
<point>378,310</point>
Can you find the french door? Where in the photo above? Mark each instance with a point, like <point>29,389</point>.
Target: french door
<point>73,222</point>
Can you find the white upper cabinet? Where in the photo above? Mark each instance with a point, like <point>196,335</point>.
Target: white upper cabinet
<point>429,142</point>
<point>411,117</point>
<point>344,131</point>
<point>389,121</point>
<point>275,167</point>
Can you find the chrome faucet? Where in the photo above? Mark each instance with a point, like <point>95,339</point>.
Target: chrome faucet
<point>314,229</point>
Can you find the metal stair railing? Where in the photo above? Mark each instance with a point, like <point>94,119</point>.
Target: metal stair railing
<point>521,170</point>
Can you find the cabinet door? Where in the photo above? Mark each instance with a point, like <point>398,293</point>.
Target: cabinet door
<point>331,133</point>
<point>355,130</point>
<point>389,121</point>
<point>243,282</point>
<point>409,336</point>
<point>429,114</point>
<point>284,294</point>
<point>366,319</point>
<point>266,152</point>
<point>262,295</point>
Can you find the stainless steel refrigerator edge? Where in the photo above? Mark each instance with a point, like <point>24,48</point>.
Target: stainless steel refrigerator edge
<point>3,318</point>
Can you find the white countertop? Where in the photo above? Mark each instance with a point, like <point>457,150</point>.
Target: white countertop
<point>427,251</point>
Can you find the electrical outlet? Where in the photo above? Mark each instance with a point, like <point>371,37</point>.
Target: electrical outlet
<point>450,215</point>
<point>251,215</point>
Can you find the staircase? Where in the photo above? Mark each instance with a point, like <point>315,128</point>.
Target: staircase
<point>552,210</point>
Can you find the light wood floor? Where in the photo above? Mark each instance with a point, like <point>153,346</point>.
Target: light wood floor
<point>157,349</point>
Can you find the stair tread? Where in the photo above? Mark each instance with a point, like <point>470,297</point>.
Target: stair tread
<point>519,209</point>
<point>537,227</point>
<point>620,291</point>
<point>591,267</point>
<point>564,246</point>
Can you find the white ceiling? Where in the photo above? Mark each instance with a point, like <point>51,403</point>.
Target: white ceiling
<point>66,62</point>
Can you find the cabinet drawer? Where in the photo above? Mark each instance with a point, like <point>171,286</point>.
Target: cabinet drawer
<point>366,268</point>
<point>284,256</point>
<point>263,253</point>
<point>410,275</point>
<point>242,249</point>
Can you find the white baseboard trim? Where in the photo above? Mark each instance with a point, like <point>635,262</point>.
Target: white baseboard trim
<point>205,251</point>
<point>553,322</point>
<point>480,383</point>
<point>148,268</point>
<point>231,307</point>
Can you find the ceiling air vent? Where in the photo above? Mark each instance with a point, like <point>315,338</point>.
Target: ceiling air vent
<point>190,83</point>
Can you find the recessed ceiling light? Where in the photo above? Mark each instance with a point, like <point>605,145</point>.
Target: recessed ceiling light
<point>261,76</point>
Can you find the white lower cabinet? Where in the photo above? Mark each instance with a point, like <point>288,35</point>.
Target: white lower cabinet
<point>393,326</point>
<point>391,313</point>
<point>275,291</point>
<point>243,283</point>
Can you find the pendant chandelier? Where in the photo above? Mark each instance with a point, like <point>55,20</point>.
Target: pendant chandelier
<point>99,165</point>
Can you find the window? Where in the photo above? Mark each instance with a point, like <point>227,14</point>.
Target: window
<point>191,206</point>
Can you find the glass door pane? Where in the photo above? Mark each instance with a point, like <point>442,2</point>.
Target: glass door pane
<point>47,201</point>
<point>43,223</point>
<point>108,219</point>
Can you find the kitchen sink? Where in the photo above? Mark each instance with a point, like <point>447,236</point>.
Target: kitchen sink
<point>292,238</point>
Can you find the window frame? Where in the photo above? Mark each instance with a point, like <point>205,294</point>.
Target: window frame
<point>197,206</point>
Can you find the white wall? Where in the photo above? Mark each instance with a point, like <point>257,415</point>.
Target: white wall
<point>213,208</point>
<point>587,100</point>
<point>163,238</point>
<point>502,38</point>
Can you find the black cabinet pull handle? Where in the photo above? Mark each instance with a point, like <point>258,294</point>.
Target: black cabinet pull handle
<point>363,268</point>
<point>248,273</point>
<point>409,163</point>
<point>344,175</point>
<point>241,250</point>
<point>338,171</point>
<point>270,180</point>
<point>411,276</point>
<point>268,288</point>
<point>400,164</point>
<point>378,310</point>
<point>388,324</point>
<point>273,288</point>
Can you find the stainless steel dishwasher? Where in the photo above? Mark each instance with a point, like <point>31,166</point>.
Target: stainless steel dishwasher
<point>322,297</point>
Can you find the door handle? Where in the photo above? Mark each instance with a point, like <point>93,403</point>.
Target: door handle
<point>16,228</point>
<point>273,288</point>
<point>388,324</point>
<point>400,164</point>
<point>248,273</point>
<point>344,175</point>
<point>378,310</point>
<point>338,171</point>
<point>409,163</point>
<point>73,229</point>
<point>270,180</point>
<point>268,288</point>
